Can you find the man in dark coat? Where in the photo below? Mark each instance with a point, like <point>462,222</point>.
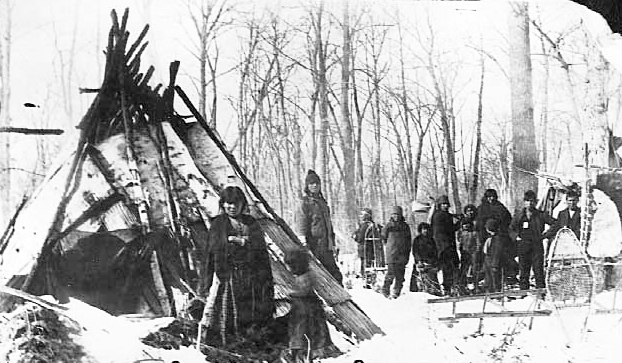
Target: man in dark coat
<point>397,236</point>
<point>490,207</point>
<point>367,236</point>
<point>529,223</point>
<point>569,217</point>
<point>314,224</point>
<point>444,233</point>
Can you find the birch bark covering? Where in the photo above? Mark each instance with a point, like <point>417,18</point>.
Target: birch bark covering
<point>18,257</point>
<point>208,157</point>
<point>93,188</point>
<point>194,192</point>
<point>152,178</point>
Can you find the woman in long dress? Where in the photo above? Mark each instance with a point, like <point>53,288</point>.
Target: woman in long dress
<point>237,284</point>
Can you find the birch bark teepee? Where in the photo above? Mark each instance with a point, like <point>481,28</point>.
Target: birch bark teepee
<point>136,196</point>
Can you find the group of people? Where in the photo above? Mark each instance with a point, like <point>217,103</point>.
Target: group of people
<point>235,295</point>
<point>484,243</point>
<point>236,289</point>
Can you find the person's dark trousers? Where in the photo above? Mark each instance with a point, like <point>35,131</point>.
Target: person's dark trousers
<point>363,266</point>
<point>413,279</point>
<point>466,267</point>
<point>531,256</point>
<point>508,263</point>
<point>395,271</point>
<point>492,277</point>
<point>448,263</point>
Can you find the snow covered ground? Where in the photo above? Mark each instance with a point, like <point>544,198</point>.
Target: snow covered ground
<point>413,334</point>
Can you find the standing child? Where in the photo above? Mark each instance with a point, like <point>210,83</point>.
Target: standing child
<point>468,247</point>
<point>493,250</point>
<point>307,328</point>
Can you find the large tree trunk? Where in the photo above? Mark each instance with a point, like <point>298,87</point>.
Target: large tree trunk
<point>346,123</point>
<point>524,152</point>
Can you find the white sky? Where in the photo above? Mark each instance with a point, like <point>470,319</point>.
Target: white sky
<point>43,33</point>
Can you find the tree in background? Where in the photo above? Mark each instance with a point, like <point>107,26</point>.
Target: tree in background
<point>207,18</point>
<point>524,153</point>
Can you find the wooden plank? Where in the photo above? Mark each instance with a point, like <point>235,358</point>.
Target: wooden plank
<point>34,299</point>
<point>499,314</point>
<point>507,293</point>
<point>29,131</point>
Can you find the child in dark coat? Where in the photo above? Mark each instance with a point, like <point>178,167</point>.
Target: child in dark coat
<point>307,329</point>
<point>468,246</point>
<point>493,251</point>
<point>426,260</point>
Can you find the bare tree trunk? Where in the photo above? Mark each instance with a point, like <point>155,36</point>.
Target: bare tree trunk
<point>206,25</point>
<point>322,163</point>
<point>409,169</point>
<point>446,128</point>
<point>544,115</point>
<point>436,183</point>
<point>346,123</point>
<point>524,153</point>
<point>474,185</point>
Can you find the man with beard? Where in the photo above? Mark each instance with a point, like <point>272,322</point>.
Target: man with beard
<point>444,233</point>
<point>491,208</point>
<point>529,223</point>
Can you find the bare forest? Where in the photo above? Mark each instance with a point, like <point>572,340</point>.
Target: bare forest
<point>388,102</point>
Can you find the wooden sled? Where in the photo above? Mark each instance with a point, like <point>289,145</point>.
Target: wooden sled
<point>456,316</point>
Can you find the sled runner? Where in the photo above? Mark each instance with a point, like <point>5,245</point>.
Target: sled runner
<point>486,298</point>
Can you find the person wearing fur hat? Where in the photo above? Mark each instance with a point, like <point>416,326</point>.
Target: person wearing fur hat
<point>314,225</point>
<point>444,233</point>
<point>528,224</point>
<point>367,236</point>
<point>397,237</point>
